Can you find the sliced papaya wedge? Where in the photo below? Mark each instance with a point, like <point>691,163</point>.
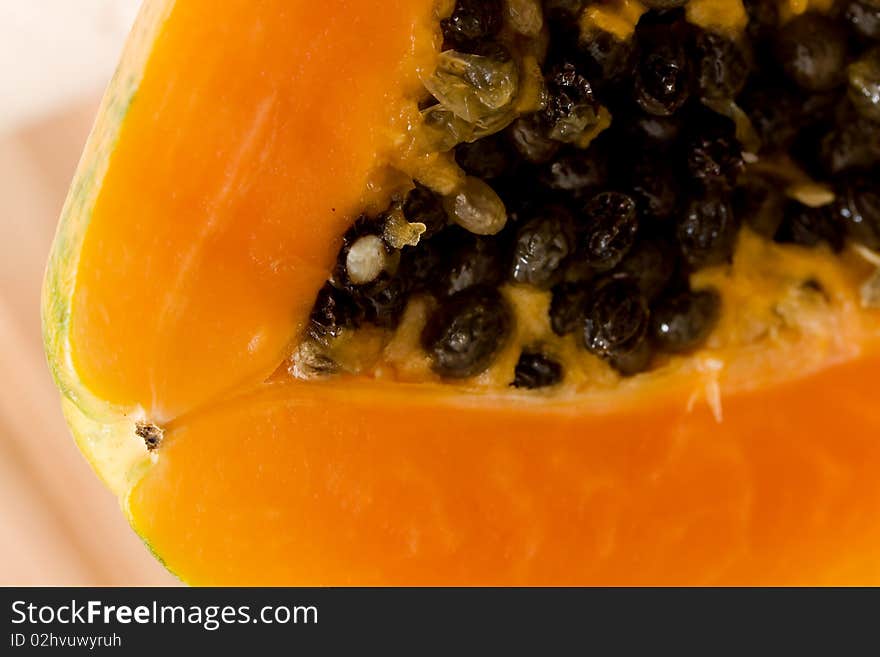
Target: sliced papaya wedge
<point>177,239</point>
<point>223,310</point>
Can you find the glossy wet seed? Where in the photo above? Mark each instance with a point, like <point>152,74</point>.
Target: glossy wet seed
<point>812,50</point>
<point>476,207</point>
<point>529,136</point>
<point>571,106</point>
<point>536,370</point>
<point>616,319</point>
<point>722,65</point>
<point>714,161</point>
<point>474,87</point>
<point>608,226</point>
<point>469,260</point>
<point>541,246</point>
<point>463,336</point>
<point>706,232</point>
<point>682,322</point>
<point>662,81</point>
<point>472,21</point>
<point>713,153</point>
<point>334,311</point>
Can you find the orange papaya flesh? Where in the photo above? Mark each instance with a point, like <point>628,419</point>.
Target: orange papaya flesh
<point>194,280</point>
<point>242,156</point>
<point>359,482</point>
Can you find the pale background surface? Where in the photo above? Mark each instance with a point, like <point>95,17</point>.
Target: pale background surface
<point>58,526</point>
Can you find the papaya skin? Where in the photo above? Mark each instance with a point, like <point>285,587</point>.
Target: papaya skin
<point>205,214</point>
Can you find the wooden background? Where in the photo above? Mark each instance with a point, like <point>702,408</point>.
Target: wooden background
<point>57,523</point>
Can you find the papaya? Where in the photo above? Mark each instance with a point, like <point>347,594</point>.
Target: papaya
<point>483,292</point>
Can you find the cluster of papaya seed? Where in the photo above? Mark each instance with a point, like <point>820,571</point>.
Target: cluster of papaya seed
<point>613,219</point>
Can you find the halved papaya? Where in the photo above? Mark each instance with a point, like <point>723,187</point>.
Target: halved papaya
<point>502,292</point>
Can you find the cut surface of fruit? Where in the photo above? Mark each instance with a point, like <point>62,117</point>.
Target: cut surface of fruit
<point>193,279</point>
<point>462,292</point>
<point>331,485</point>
